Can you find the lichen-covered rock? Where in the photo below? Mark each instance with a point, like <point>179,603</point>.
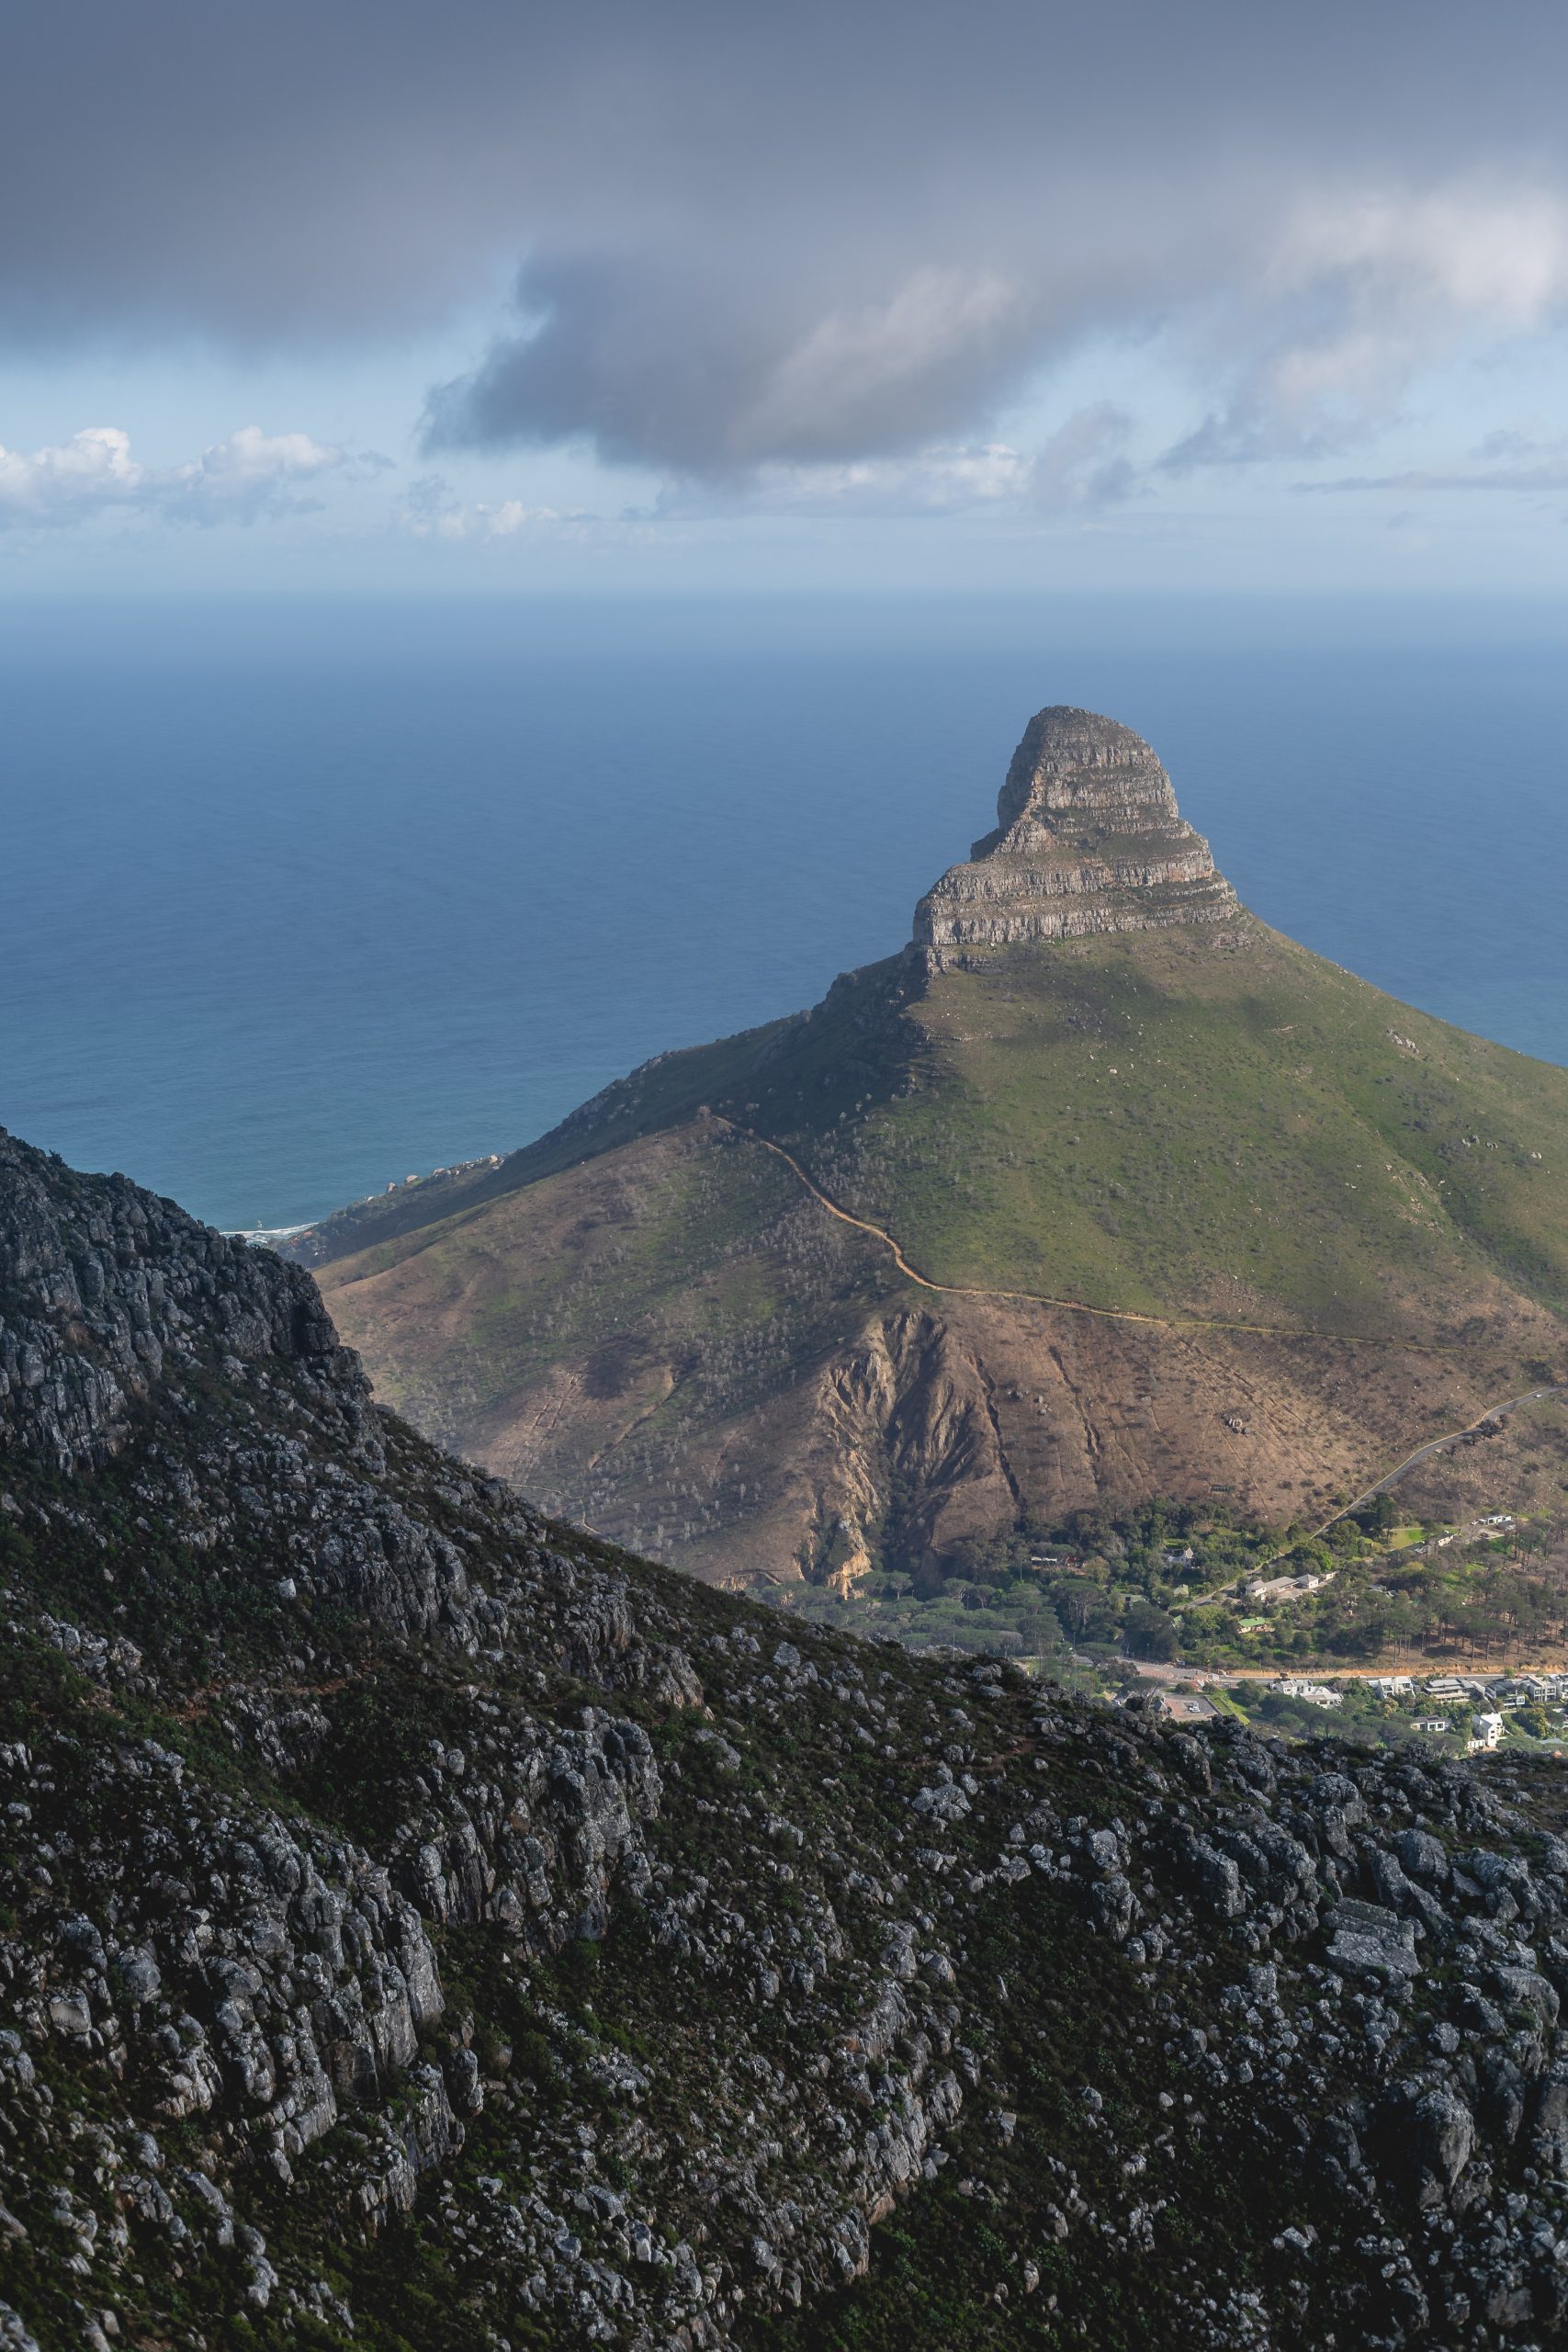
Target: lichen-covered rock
<point>423,1922</point>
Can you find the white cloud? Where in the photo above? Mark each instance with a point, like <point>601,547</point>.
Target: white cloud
<point>430,509</point>
<point>239,480</point>
<point>853,365</point>
<point>1081,464</point>
<point>1358,293</point>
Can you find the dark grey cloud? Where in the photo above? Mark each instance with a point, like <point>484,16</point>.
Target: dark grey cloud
<point>741,237</point>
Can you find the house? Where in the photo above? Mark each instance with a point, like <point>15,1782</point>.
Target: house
<point>1272,1589</point>
<point>1391,1686</point>
<point>1317,1694</point>
<point>1185,1706</point>
<point>1486,1733</point>
<point>1444,1686</point>
<point>1433,1722</point>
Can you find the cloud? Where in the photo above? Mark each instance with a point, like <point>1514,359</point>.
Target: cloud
<point>654,368</point>
<point>1552,475</point>
<point>431,509</point>
<point>1081,466</point>
<point>249,475</point>
<point>1360,292</point>
<point>847,233</point>
<point>1508,462</point>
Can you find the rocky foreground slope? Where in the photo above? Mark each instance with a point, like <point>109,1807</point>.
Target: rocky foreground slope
<point>424,1927</point>
<point>1210,1215</point>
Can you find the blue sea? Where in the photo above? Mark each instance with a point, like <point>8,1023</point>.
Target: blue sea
<point>301,896</point>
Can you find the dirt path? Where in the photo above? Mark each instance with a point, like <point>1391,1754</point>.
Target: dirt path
<point>1069,1306</point>
<point>1493,1414</point>
<point>1391,1477</point>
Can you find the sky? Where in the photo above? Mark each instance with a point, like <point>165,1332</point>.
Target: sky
<point>629,299</point>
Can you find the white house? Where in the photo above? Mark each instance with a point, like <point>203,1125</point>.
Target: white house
<point>1275,1589</point>
<point>1317,1694</point>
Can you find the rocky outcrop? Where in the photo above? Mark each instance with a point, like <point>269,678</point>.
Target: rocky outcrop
<point>102,1285</point>
<point>374,1851</point>
<point>1087,839</point>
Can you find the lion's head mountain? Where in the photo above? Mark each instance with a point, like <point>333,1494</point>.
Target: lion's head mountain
<point>1099,1190</point>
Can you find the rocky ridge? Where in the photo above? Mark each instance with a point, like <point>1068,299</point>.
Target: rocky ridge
<point>426,1927</point>
<point>1087,839</point>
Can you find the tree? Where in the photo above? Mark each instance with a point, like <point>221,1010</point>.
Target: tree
<point>1039,1632</point>
<point>1078,1602</point>
<point>1150,1632</point>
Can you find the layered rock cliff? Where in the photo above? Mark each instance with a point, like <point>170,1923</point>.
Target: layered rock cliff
<point>1087,839</point>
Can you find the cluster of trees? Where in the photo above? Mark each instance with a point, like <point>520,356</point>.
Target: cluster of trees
<point>1109,1577</point>
<point>1123,1581</point>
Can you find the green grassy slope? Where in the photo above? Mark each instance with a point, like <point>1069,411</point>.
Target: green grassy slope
<point>1156,1123</point>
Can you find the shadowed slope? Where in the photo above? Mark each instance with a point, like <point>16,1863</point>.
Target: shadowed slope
<point>428,1928</point>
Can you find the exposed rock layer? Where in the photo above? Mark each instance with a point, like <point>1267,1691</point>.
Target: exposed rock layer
<point>1088,839</point>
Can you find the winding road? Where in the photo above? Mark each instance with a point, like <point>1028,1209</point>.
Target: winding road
<point>1494,1413</point>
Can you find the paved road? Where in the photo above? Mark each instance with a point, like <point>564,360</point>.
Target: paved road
<point>1424,1670</point>
<point>1493,1413</point>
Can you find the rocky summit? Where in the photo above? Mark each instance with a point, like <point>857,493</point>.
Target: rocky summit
<point>1088,839</point>
<point>1101,1192</point>
<point>424,1926</point>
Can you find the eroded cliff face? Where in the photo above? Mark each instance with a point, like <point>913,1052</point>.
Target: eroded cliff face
<point>1087,839</point>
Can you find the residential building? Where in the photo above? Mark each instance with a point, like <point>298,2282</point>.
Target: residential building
<point>1185,1706</point>
<point>1317,1694</point>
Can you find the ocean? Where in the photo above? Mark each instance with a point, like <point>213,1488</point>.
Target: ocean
<point>301,896</point>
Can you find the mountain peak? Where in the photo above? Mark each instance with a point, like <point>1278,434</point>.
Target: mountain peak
<point>1075,760</point>
<point>1088,837</point>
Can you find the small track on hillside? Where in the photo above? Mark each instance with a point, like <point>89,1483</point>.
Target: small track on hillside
<point>1069,1306</point>
<point>1493,1414</point>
